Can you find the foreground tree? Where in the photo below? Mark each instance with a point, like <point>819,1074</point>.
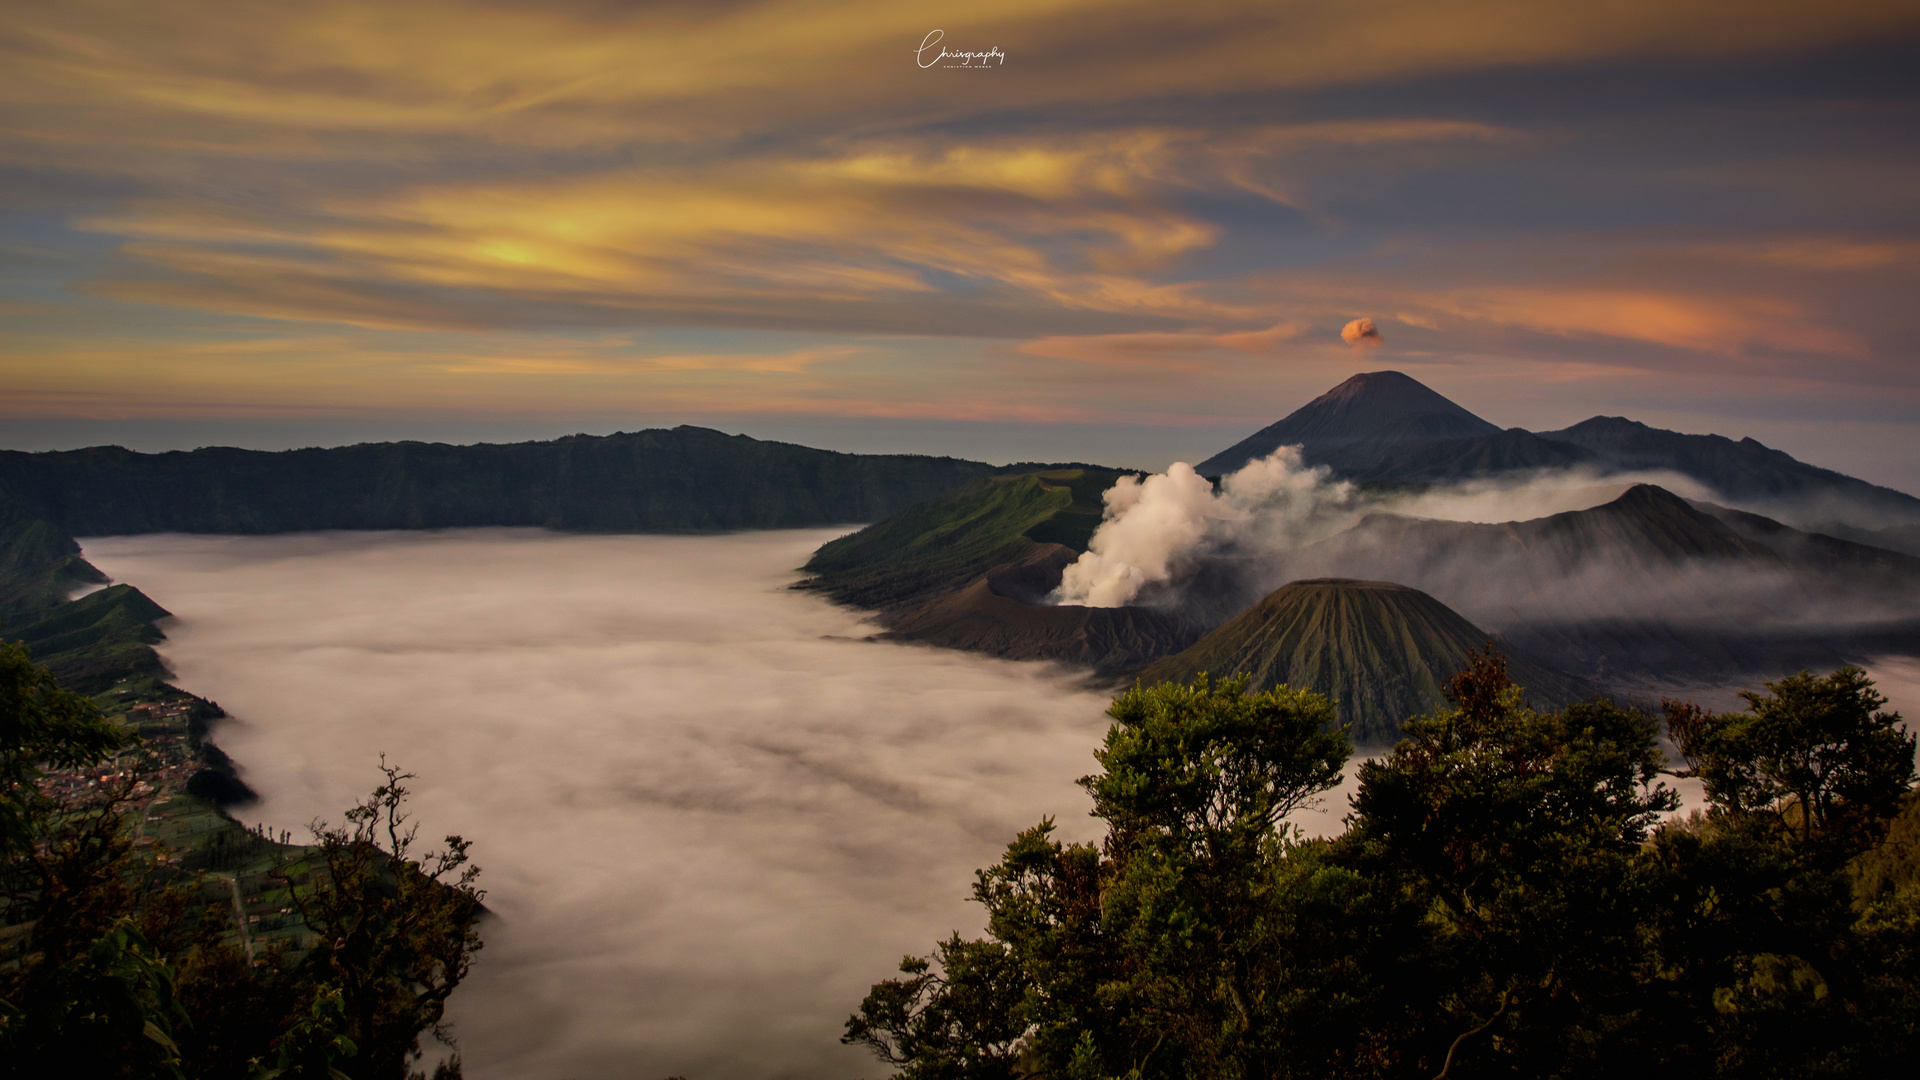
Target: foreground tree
<point>396,931</point>
<point>1817,759</point>
<point>112,965</point>
<point>82,990</point>
<point>1142,955</point>
<point>1511,898</point>
<point>1515,834</point>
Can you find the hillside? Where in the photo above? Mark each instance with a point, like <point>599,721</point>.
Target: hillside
<point>1382,651</point>
<point>685,480</point>
<point>950,541</point>
<point>972,569</point>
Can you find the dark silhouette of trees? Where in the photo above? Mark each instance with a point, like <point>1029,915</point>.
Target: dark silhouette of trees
<point>113,964</point>
<point>1512,896</point>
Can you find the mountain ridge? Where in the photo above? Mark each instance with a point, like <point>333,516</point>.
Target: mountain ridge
<point>684,480</point>
<point>1385,427</point>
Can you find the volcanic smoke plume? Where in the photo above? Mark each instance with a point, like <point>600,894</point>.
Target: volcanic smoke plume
<point>1361,333</point>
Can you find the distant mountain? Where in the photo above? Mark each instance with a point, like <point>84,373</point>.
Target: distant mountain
<point>1744,471</point>
<point>1902,538</point>
<point>1647,587</point>
<point>1384,427</point>
<point>1355,422</point>
<point>1442,461</point>
<point>686,480</point>
<point>1382,651</point>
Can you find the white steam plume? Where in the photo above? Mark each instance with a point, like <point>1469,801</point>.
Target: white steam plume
<point>1153,526</point>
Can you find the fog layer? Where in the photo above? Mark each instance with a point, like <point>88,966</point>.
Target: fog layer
<point>1172,541</point>
<point>709,815</point>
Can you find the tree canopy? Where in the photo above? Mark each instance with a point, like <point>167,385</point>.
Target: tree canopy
<point>1513,895</point>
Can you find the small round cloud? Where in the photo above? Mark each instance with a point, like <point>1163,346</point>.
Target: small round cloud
<point>1360,333</point>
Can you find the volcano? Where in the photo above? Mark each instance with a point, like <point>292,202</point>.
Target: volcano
<point>1356,421</point>
<point>1381,651</point>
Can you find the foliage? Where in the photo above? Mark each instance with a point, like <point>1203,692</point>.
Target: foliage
<point>41,725</point>
<point>1814,756</point>
<point>396,931</point>
<point>1511,897</point>
<point>1143,954</point>
<point>112,964</point>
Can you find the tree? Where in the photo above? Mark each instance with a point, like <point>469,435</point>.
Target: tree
<point>82,991</point>
<point>1518,832</point>
<point>1816,757</point>
<point>395,932</point>
<point>1143,955</point>
<point>1507,901</point>
<point>42,725</point>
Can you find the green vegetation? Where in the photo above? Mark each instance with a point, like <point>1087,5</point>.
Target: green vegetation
<point>124,956</point>
<point>1382,652</point>
<point>1505,901</point>
<point>946,543</point>
<point>685,480</point>
<point>144,932</point>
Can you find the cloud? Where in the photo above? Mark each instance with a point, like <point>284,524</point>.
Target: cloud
<point>687,880</point>
<point>1175,351</point>
<point>1729,326</point>
<point>573,73</point>
<point>1361,332</point>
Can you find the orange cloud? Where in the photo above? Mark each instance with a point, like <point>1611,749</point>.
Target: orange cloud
<point>1726,326</point>
<point>565,74</point>
<point>1184,351</point>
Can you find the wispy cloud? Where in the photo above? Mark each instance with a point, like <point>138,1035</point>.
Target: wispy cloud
<point>1148,210</point>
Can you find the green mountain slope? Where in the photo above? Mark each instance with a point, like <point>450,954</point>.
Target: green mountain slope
<point>684,480</point>
<point>942,545</point>
<point>1381,651</point>
<point>40,566</point>
<point>90,643</point>
<point>971,570</point>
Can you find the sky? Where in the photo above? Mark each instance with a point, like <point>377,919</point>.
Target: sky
<point>1113,231</point>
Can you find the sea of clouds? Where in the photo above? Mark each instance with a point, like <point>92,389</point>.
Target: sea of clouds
<point>710,815</point>
<point>1176,541</point>
<point>709,811</point>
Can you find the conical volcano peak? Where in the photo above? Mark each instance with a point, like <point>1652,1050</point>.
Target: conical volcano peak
<point>1364,415</point>
<point>1386,390</point>
<point>1383,651</point>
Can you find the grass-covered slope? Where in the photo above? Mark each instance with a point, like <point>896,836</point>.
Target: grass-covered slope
<point>101,645</point>
<point>1381,651</point>
<point>687,479</point>
<point>946,543</point>
<point>89,643</point>
<point>971,570</point>
<point>40,566</point>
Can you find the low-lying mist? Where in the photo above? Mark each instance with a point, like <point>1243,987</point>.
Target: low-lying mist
<point>1174,542</point>
<point>709,816</point>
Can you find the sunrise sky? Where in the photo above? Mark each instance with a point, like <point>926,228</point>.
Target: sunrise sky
<point>1134,236</point>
